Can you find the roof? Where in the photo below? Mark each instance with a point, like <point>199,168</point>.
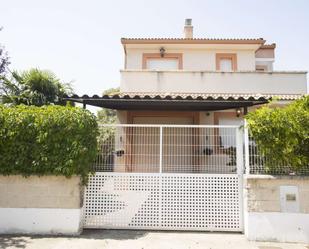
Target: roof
<point>178,101</point>
<point>268,46</point>
<point>191,41</point>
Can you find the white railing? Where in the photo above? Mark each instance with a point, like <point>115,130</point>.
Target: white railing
<point>170,149</point>
<point>183,149</point>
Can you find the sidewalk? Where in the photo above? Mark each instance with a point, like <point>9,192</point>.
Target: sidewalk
<point>124,239</point>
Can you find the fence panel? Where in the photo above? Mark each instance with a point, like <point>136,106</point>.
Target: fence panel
<point>259,164</point>
<point>167,149</point>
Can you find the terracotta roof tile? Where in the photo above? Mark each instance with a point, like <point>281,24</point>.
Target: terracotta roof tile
<point>268,46</point>
<point>191,96</point>
<point>194,40</point>
<point>215,96</point>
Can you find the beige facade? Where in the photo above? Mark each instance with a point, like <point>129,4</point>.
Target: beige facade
<point>214,82</point>
<point>40,192</point>
<point>263,193</point>
<point>203,59</point>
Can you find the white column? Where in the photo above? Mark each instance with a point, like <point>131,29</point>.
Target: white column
<point>246,143</point>
<point>161,148</point>
<point>239,151</point>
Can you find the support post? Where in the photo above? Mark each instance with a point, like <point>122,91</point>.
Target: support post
<point>245,110</point>
<point>240,171</point>
<point>161,149</point>
<point>239,151</point>
<point>246,143</point>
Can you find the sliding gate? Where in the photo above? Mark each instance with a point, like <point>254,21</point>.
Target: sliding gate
<point>167,178</point>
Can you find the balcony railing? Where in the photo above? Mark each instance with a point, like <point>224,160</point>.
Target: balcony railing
<point>282,82</point>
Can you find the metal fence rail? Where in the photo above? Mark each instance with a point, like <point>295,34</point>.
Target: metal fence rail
<point>260,164</point>
<point>182,149</point>
<point>167,149</point>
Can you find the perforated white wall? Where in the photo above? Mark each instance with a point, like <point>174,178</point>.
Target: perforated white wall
<point>163,201</point>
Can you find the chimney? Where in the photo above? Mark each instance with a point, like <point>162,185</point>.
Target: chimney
<point>188,29</point>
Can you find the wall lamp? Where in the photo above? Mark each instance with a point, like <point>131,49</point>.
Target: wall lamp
<point>162,51</point>
<point>238,112</point>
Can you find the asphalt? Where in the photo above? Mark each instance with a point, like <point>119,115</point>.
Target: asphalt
<point>128,239</point>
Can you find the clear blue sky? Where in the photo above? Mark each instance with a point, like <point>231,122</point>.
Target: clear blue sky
<point>80,40</point>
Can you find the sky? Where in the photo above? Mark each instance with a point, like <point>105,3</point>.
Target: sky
<point>79,40</point>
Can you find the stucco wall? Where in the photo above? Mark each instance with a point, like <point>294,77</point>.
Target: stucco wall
<point>214,82</point>
<point>265,53</point>
<point>269,215</point>
<point>264,193</point>
<point>40,192</point>
<point>195,59</point>
<point>40,205</point>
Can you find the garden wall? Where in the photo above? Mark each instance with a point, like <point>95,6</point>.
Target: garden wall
<point>277,208</point>
<point>40,205</point>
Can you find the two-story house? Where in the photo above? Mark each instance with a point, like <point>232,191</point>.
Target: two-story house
<point>197,80</point>
<point>175,160</point>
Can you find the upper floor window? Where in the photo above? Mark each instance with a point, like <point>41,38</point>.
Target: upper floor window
<point>155,61</point>
<point>261,68</point>
<point>226,62</point>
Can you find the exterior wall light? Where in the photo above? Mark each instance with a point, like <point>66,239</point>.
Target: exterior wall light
<point>162,51</point>
<point>238,112</point>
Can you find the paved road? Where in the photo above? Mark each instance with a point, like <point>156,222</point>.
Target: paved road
<point>121,239</point>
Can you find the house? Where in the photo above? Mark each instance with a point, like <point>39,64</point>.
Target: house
<point>194,81</point>
<point>176,157</point>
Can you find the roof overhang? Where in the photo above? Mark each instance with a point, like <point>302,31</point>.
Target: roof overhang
<point>182,102</point>
<point>193,43</point>
<point>190,41</point>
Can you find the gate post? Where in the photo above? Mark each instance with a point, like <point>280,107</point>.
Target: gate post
<point>239,151</point>
<point>240,171</point>
<point>246,143</point>
<point>161,149</point>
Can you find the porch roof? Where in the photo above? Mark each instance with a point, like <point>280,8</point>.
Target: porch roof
<point>176,101</point>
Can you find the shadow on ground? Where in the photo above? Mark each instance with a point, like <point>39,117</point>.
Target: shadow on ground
<point>134,234</point>
<point>16,242</point>
<point>112,234</point>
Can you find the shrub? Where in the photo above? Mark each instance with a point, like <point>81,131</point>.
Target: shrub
<point>282,135</point>
<point>48,140</point>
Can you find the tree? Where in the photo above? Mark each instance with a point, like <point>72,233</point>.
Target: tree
<point>106,139</point>
<point>4,63</point>
<point>34,87</point>
<point>282,134</point>
<point>108,116</point>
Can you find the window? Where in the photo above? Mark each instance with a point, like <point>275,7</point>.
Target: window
<point>226,62</point>
<point>154,61</point>
<point>226,65</point>
<point>162,64</point>
<point>261,68</point>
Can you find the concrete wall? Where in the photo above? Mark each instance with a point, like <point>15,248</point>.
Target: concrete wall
<point>40,205</point>
<point>214,82</point>
<point>277,208</point>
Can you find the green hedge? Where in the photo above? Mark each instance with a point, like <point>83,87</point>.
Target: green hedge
<point>48,140</point>
<point>282,135</point>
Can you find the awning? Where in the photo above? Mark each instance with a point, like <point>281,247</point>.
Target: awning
<point>176,101</point>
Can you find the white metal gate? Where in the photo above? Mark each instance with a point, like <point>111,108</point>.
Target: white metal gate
<point>167,191</point>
